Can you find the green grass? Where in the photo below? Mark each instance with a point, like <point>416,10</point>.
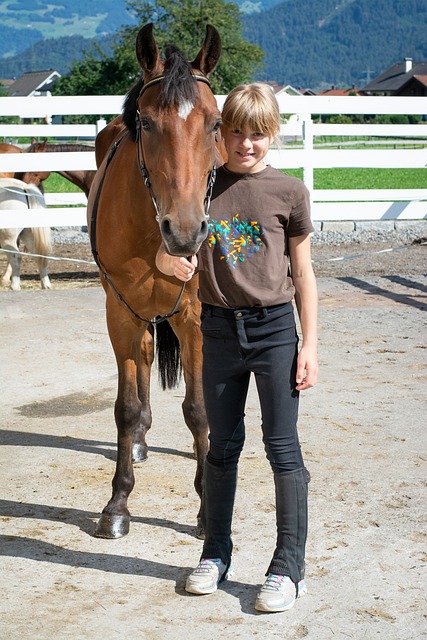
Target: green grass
<point>57,184</point>
<point>323,179</point>
<point>366,178</point>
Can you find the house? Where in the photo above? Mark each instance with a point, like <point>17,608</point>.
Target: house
<point>34,83</point>
<point>280,89</point>
<point>405,78</point>
<point>353,91</point>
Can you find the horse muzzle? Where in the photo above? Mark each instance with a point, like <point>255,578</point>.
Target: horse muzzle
<point>183,241</point>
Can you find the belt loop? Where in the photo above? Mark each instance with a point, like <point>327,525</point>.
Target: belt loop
<point>264,312</point>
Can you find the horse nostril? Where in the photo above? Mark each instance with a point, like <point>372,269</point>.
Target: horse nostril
<point>165,228</point>
<point>204,229</point>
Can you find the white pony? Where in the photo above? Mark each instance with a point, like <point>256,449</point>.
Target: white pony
<point>15,194</point>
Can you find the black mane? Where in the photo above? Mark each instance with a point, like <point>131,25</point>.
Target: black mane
<point>177,85</point>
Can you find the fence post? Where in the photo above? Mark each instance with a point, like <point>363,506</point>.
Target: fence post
<point>307,137</point>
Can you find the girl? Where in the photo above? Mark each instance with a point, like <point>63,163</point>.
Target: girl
<point>255,260</point>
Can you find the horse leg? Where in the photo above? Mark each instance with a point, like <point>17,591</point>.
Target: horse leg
<point>44,278</point>
<point>13,269</point>
<point>193,406</point>
<point>125,337</point>
<point>139,448</point>
<point>5,279</point>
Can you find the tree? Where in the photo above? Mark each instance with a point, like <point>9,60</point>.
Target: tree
<point>179,22</point>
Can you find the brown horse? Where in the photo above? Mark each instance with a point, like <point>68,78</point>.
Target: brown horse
<point>81,178</point>
<point>5,147</point>
<point>153,187</point>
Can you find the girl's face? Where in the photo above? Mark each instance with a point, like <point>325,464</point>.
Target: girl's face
<point>246,149</point>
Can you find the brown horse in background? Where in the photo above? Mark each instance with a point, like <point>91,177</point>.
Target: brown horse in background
<point>5,147</point>
<point>81,178</point>
<point>154,187</point>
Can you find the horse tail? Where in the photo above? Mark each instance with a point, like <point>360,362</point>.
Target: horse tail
<point>168,356</point>
<point>41,235</point>
<point>42,243</point>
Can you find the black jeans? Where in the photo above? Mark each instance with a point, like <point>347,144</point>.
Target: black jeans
<point>236,343</point>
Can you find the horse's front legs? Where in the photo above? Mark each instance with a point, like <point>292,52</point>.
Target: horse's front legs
<point>140,448</point>
<point>126,341</point>
<point>193,406</point>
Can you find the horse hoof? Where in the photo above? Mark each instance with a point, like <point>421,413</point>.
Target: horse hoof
<point>139,453</point>
<point>112,526</point>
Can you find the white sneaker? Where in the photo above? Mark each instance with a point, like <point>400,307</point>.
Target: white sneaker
<point>278,593</point>
<point>206,576</point>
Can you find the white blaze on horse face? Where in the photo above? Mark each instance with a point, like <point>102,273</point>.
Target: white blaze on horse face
<point>185,108</point>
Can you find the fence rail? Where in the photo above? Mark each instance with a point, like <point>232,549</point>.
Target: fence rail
<point>374,204</point>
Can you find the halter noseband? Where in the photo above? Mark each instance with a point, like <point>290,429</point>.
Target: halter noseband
<point>140,152</point>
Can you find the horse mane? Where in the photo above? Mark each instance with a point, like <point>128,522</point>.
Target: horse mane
<point>178,85</point>
<point>60,147</point>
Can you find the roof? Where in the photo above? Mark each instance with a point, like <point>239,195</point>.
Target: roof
<point>289,89</point>
<point>352,91</point>
<point>421,79</point>
<point>395,77</point>
<point>33,83</point>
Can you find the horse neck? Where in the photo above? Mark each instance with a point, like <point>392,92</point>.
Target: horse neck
<point>82,179</point>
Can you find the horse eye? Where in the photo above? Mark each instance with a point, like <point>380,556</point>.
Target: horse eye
<point>216,126</point>
<point>145,124</point>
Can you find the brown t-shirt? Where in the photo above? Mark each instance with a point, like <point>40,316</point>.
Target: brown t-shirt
<point>244,260</point>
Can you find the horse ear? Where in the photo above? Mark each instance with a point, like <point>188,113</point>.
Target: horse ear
<point>208,56</point>
<point>147,51</point>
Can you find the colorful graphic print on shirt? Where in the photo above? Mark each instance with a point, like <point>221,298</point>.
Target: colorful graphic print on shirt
<point>237,240</point>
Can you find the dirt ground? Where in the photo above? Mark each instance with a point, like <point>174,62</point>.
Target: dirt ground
<point>344,260</point>
<point>363,436</point>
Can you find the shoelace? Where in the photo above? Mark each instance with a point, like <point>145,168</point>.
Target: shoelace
<point>274,582</point>
<point>205,566</point>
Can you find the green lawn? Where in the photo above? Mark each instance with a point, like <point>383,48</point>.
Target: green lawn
<point>366,178</point>
<point>323,179</point>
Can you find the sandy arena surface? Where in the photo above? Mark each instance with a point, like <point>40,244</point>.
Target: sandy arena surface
<point>363,432</point>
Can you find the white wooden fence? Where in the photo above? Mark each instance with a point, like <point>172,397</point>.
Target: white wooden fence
<point>328,205</point>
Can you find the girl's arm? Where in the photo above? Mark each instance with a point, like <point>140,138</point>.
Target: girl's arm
<point>306,302</point>
<point>181,268</point>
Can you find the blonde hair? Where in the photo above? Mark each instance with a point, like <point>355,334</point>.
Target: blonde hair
<point>252,106</point>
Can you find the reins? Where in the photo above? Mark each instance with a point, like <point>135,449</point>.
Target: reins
<point>147,182</point>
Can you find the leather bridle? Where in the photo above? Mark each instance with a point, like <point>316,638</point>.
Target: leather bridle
<point>144,172</point>
<point>140,152</point>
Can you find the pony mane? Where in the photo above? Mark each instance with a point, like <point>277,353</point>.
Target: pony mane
<point>178,85</point>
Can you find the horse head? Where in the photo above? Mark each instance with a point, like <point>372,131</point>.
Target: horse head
<point>175,123</point>
<point>35,177</point>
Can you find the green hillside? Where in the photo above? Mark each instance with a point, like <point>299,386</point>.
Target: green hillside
<point>308,43</point>
<point>51,19</point>
<point>333,42</point>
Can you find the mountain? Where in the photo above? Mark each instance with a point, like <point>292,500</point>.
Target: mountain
<point>337,42</point>
<point>308,43</point>
<point>26,21</point>
<point>52,53</point>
